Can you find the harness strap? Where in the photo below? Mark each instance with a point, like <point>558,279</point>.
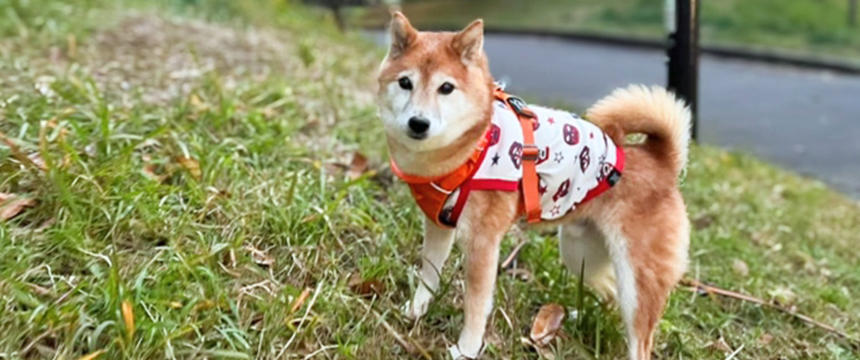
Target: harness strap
<point>531,153</point>
<point>431,193</point>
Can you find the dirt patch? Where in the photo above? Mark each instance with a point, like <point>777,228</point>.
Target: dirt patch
<point>164,58</point>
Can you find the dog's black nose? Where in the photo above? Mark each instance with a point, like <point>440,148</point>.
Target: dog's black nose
<point>418,127</point>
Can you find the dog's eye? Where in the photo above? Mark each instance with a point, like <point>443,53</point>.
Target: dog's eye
<point>405,83</point>
<point>446,88</point>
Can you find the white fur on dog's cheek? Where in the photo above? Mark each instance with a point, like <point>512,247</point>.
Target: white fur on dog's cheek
<point>396,107</point>
<point>457,115</point>
<point>450,115</point>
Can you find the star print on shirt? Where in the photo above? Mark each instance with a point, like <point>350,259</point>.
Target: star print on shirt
<point>558,157</point>
<point>550,121</point>
<point>555,210</point>
<point>496,159</point>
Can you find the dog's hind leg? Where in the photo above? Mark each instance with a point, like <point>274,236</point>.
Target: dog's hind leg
<point>648,261</point>
<point>437,247</point>
<point>583,249</point>
<point>628,298</point>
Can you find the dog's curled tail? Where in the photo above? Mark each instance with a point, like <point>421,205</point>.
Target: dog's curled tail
<point>653,111</point>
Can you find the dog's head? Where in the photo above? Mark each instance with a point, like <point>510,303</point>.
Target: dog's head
<point>433,86</point>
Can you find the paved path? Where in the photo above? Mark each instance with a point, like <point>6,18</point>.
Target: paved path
<point>808,121</point>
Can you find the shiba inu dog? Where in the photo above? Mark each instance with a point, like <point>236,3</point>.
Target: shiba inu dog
<point>445,124</point>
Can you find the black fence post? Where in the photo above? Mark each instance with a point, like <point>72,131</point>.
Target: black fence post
<point>684,57</point>
<point>852,13</point>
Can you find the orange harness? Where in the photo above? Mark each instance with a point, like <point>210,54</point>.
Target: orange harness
<point>431,193</point>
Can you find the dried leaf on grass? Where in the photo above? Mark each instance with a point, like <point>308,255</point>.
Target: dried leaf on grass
<point>197,104</point>
<point>721,345</point>
<point>297,304</point>
<point>358,166</point>
<point>37,160</point>
<point>191,165</point>
<point>92,355</point>
<point>128,318</point>
<point>364,287</point>
<point>260,257</point>
<point>765,339</point>
<point>149,170</point>
<point>11,205</point>
<point>16,151</point>
<point>547,324</point>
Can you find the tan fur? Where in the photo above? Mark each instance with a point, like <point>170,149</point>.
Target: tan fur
<point>642,221</point>
<point>439,52</point>
<point>651,111</point>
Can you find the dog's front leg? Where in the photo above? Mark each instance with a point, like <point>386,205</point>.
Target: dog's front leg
<point>489,215</point>
<point>437,246</point>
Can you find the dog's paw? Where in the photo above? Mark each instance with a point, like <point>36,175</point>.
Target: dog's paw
<point>467,348</point>
<point>455,353</point>
<point>416,308</point>
<point>414,311</point>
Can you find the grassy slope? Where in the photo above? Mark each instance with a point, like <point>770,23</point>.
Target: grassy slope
<point>806,26</point>
<point>212,262</point>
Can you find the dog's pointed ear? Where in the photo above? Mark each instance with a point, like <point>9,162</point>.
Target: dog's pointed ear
<point>403,34</point>
<point>469,42</point>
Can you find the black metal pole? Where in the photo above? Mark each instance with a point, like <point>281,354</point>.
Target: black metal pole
<point>684,57</point>
<point>852,13</point>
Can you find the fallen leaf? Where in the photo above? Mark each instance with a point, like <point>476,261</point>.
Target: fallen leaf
<point>198,104</point>
<point>545,352</point>
<point>128,318</point>
<point>12,205</point>
<point>37,160</point>
<point>721,345</point>
<point>365,287</point>
<point>149,171</point>
<point>297,304</point>
<point>259,256</point>
<point>765,339</point>
<point>740,267</point>
<point>191,165</point>
<point>92,355</point>
<point>358,166</point>
<point>547,323</point>
<point>39,290</point>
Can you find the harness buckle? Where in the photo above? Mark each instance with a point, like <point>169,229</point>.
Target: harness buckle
<point>519,106</point>
<point>531,152</point>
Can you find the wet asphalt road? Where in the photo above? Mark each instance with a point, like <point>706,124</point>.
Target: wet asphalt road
<point>800,119</point>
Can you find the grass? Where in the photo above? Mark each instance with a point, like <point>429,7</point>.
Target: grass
<point>812,27</point>
<point>187,160</point>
